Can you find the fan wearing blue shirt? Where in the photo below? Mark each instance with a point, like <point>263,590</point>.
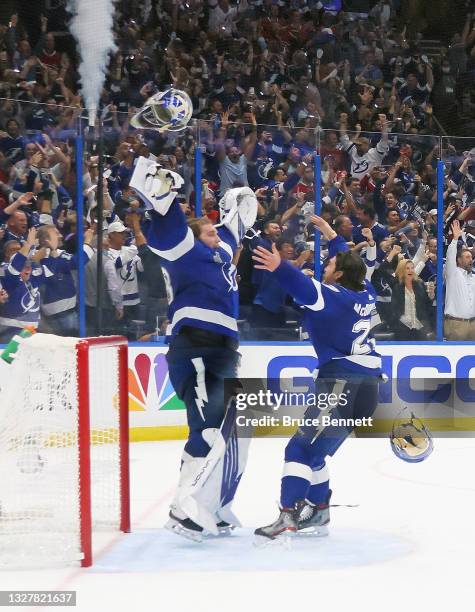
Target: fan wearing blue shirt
<point>366,216</point>
<point>12,144</point>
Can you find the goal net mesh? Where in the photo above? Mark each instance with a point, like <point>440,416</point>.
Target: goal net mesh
<point>40,493</point>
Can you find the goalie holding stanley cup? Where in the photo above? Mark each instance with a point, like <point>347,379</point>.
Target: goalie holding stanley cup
<point>203,336</point>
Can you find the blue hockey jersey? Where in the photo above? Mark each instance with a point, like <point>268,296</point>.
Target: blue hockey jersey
<point>201,281</point>
<point>338,320</point>
<point>59,291</point>
<point>23,305</point>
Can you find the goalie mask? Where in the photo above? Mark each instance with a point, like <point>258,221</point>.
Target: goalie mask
<point>238,211</point>
<point>167,110</point>
<point>411,441</point>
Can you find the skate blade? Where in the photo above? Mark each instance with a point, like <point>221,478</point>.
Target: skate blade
<point>194,536</point>
<point>284,540</point>
<point>317,532</point>
<point>224,532</point>
<point>170,524</point>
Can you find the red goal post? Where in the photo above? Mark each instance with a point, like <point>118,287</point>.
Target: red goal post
<point>84,441</point>
<point>64,448</point>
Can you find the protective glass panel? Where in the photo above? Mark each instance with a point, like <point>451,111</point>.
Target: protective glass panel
<point>458,155</point>
<point>38,202</point>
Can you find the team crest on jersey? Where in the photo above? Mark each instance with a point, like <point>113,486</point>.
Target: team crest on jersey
<point>217,258</point>
<point>127,272</point>
<point>229,273</point>
<point>360,167</point>
<point>29,301</point>
<point>263,167</point>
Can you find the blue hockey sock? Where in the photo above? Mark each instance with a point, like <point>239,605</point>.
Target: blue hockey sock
<point>320,485</point>
<point>295,483</point>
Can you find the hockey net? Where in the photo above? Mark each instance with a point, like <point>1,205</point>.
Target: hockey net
<point>63,449</point>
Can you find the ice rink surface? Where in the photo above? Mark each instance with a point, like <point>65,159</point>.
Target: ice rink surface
<point>408,544</point>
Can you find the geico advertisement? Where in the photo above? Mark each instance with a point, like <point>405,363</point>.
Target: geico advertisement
<point>434,376</point>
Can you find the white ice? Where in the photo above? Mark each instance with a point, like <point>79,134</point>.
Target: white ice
<point>408,545</point>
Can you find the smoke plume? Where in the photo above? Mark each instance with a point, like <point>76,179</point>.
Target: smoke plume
<point>91,25</point>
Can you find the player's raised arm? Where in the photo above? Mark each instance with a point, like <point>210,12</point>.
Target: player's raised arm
<point>370,258</point>
<point>169,235</point>
<point>305,290</point>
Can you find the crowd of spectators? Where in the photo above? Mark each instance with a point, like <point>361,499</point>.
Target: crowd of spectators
<point>272,84</point>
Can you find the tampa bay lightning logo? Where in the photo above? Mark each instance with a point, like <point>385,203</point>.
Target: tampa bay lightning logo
<point>263,167</point>
<point>360,167</point>
<point>30,300</point>
<point>127,272</point>
<point>14,154</point>
<point>230,274</point>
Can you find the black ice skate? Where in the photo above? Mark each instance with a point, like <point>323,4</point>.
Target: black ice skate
<point>312,519</point>
<point>224,528</point>
<point>284,527</point>
<point>191,530</point>
<point>174,517</point>
<point>183,526</point>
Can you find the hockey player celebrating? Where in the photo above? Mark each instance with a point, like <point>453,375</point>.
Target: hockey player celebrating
<point>203,305</point>
<point>337,316</point>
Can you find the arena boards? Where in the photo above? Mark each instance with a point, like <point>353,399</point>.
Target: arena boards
<point>157,414</point>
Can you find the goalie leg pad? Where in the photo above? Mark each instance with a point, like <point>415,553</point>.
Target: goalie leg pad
<point>208,484</point>
<point>214,458</point>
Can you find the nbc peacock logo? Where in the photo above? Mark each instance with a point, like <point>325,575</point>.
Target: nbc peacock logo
<point>150,386</point>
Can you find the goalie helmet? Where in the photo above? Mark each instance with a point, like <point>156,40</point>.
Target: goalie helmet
<point>167,110</point>
<point>411,441</point>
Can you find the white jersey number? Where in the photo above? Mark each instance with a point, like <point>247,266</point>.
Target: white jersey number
<point>361,345</point>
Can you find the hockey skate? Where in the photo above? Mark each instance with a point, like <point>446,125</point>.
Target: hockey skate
<point>184,527</point>
<point>225,529</point>
<point>312,519</point>
<point>281,530</point>
<point>192,531</point>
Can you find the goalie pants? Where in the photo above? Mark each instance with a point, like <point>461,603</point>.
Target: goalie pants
<point>199,363</point>
<point>345,395</point>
